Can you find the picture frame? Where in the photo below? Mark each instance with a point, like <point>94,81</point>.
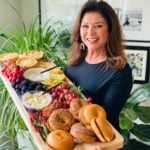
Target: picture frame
<point>138,59</point>
<point>134,19</point>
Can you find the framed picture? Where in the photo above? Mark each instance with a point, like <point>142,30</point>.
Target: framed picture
<point>134,18</point>
<point>138,59</point>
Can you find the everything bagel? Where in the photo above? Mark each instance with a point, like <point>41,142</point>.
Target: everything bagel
<point>60,119</point>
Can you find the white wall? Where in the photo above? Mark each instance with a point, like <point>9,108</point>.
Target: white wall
<point>8,17</point>
<point>27,9</point>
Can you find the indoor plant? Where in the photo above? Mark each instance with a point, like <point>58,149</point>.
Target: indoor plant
<point>135,119</point>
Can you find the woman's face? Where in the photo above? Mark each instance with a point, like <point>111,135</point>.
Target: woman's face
<point>94,31</point>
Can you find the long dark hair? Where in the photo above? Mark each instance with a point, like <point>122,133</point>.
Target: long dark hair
<point>114,47</point>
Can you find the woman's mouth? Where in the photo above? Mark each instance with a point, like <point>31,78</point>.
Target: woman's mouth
<point>92,40</point>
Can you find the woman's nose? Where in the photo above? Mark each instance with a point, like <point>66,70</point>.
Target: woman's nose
<point>91,31</point>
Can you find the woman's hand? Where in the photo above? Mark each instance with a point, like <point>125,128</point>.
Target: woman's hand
<point>88,146</point>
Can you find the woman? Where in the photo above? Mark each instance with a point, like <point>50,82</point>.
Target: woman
<point>96,60</point>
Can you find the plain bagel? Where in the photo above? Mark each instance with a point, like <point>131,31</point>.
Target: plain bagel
<point>102,129</point>
<point>88,112</point>
<point>59,140</point>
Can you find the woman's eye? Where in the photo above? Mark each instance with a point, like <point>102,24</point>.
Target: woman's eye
<point>98,26</point>
<point>84,26</point>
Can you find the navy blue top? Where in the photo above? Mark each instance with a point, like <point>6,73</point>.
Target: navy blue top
<point>109,88</point>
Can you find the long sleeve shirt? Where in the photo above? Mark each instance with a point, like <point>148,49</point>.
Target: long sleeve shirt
<point>109,88</point>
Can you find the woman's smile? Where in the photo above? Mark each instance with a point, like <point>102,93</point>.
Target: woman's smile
<point>92,40</point>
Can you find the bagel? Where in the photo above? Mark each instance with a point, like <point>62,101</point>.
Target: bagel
<point>60,119</point>
<point>75,105</point>
<point>59,140</point>
<point>48,147</point>
<point>102,129</point>
<point>88,112</point>
<point>81,115</point>
<point>82,134</point>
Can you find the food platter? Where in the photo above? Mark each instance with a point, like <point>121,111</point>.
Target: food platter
<point>58,75</point>
<point>36,136</point>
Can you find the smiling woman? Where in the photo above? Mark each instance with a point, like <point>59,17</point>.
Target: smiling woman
<point>102,61</point>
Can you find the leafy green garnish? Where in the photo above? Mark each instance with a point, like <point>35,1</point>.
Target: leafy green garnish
<point>77,89</point>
